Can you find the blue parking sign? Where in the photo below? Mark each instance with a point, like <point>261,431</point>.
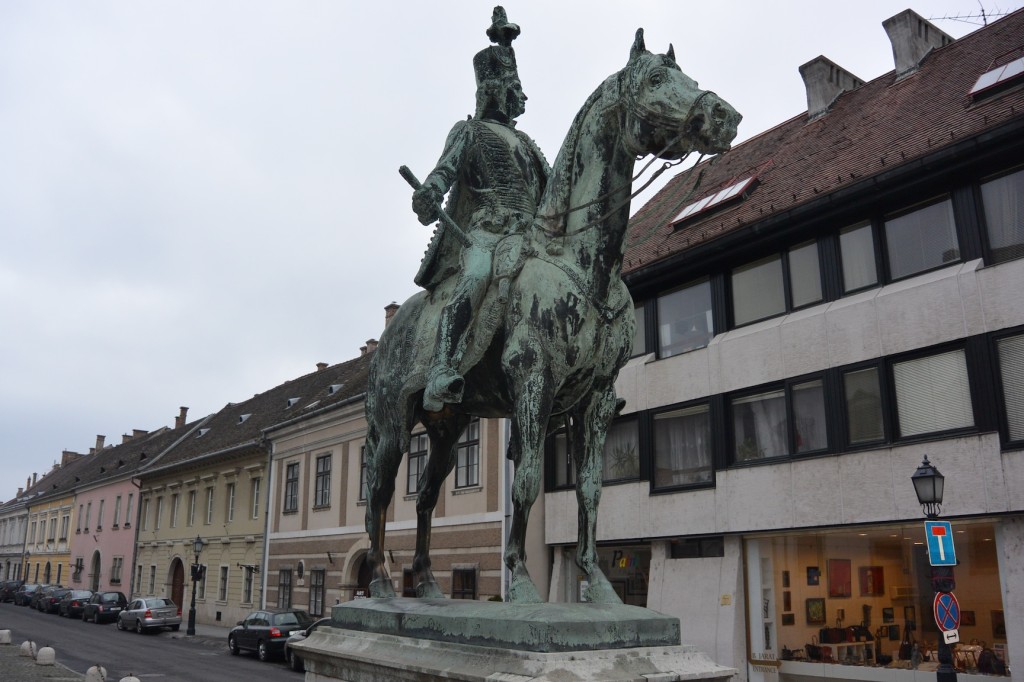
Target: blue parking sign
<point>939,535</point>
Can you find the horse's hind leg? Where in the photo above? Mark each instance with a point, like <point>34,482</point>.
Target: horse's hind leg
<point>444,438</point>
<point>384,450</point>
<point>590,426</point>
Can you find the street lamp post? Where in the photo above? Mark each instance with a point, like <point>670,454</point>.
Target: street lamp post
<point>929,485</point>
<point>197,570</point>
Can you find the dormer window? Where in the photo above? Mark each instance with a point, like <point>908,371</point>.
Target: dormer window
<point>334,388</point>
<point>243,417</point>
<point>291,402</point>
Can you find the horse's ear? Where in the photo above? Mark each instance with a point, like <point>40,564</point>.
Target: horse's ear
<point>671,54</point>
<point>638,45</point>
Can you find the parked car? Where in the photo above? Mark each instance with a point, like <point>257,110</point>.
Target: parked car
<point>266,632</point>
<point>8,588</point>
<point>149,613</point>
<point>104,606</point>
<point>50,599</point>
<point>292,657</point>
<point>33,602</point>
<point>73,603</point>
<point>23,596</point>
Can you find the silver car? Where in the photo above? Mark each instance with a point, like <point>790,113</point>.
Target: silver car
<point>149,613</point>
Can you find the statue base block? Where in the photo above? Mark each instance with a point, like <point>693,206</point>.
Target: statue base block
<point>427,639</point>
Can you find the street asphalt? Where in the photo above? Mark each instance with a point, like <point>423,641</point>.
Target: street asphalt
<point>18,668</point>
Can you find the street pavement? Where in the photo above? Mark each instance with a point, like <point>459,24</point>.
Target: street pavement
<point>15,667</point>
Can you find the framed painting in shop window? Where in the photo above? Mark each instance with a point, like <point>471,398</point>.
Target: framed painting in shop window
<point>872,581</point>
<point>839,578</point>
<point>815,611</point>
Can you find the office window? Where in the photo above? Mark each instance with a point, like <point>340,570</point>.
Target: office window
<point>316,592</point>
<point>322,492</point>
<point>757,291</point>
<point>463,583</point>
<point>640,334</point>
<point>467,457</point>
<point>159,512</point>
<point>291,487</point>
<point>209,505</point>
<point>682,447</point>
<point>857,249</point>
<point>191,507</point>
<point>284,589</point>
<point>684,319</point>
<point>255,487</point>
<point>933,393</point>
<point>804,275</point>
<point>362,473</point>
<point>152,580</point>
<point>246,585</point>
<point>808,400</point>
<point>99,516</point>
<point>1011,368</point>
<point>115,570</point>
<point>1003,199</point>
<point>222,585</point>
<point>759,426</point>
<point>561,453</point>
<point>418,448</point>
<point>117,511</point>
<point>174,510</point>
<point>230,511</point>
<point>128,511</point>
<point>621,455</point>
<point>923,239</point>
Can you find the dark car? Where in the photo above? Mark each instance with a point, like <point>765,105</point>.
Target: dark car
<point>73,602</point>
<point>104,606</point>
<point>50,599</point>
<point>292,657</point>
<point>8,588</point>
<point>266,632</point>
<point>149,613</point>
<point>33,602</point>
<point>23,596</point>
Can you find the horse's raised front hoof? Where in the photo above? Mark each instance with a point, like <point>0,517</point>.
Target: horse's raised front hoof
<point>521,589</point>
<point>381,588</point>
<point>600,591</point>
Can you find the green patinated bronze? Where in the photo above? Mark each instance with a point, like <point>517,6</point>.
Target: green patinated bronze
<point>524,313</point>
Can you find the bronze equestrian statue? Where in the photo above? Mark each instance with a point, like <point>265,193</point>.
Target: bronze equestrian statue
<point>549,334</point>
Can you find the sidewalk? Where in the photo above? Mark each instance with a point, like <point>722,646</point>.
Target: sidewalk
<point>14,666</point>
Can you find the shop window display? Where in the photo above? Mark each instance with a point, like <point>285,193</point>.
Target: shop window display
<point>864,597</point>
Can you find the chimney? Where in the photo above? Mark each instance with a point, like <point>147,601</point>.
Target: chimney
<point>179,421</point>
<point>125,437</point>
<point>371,345</point>
<point>362,351</point>
<point>912,37</point>
<point>33,478</point>
<point>67,456</point>
<point>21,491</point>
<point>99,442</point>
<point>321,366</point>
<point>825,81</point>
<point>389,312</point>
<point>136,433</point>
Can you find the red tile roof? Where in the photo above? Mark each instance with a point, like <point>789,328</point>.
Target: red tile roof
<point>881,126</point>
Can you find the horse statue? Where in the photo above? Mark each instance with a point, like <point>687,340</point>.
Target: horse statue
<point>559,332</point>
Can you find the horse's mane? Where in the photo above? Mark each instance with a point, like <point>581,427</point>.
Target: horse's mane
<point>553,208</point>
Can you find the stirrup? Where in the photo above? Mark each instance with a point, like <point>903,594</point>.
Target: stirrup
<point>444,385</point>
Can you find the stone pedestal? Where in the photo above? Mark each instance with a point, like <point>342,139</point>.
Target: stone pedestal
<point>423,639</point>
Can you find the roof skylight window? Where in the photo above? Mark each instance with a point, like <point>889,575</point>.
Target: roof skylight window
<point>202,432</point>
<point>291,402</point>
<point>998,77</point>
<point>334,388</point>
<point>730,193</point>
<point>243,417</point>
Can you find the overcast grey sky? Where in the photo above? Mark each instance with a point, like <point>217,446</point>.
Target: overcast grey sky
<point>200,200</point>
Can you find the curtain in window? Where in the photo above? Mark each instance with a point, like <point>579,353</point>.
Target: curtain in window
<point>863,406</point>
<point>757,290</point>
<point>1004,216</point>
<point>621,451</point>
<point>1011,363</point>
<point>759,426</point>
<point>933,394</point>
<point>804,274</point>
<point>922,240</point>
<point>684,320</point>
<point>809,416</point>
<point>682,447</point>
<point>857,245</point>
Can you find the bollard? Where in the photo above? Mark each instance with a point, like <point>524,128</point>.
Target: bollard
<point>5,636</point>
<point>46,656</point>
<point>28,649</point>
<point>97,673</point>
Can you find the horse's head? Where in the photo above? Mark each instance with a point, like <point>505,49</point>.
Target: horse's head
<point>668,115</point>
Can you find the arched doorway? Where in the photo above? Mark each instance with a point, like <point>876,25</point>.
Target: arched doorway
<point>177,582</point>
<point>94,571</point>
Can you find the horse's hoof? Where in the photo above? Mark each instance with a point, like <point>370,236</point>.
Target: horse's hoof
<point>523,591</point>
<point>381,589</point>
<point>429,590</point>
<point>601,592</point>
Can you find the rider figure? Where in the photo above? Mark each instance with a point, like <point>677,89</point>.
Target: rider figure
<point>496,175</point>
